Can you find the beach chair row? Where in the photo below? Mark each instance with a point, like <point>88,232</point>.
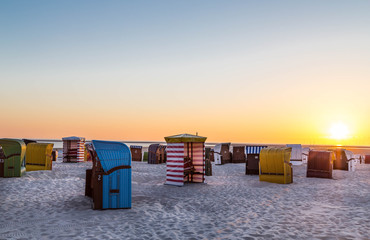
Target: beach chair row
<point>18,156</point>
<point>108,182</point>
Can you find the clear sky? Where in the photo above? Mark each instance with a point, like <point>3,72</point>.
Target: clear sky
<point>239,71</point>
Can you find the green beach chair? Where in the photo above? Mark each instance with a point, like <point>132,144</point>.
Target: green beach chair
<point>14,157</point>
<point>145,157</point>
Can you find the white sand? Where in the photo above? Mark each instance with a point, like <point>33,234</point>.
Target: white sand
<point>52,205</point>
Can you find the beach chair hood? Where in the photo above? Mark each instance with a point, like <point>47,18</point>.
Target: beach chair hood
<point>112,154</point>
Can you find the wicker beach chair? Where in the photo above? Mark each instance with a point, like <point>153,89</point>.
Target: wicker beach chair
<point>39,156</point>
<point>110,176</point>
<point>14,152</point>
<point>275,165</point>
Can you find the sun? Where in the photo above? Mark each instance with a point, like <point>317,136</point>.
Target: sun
<point>339,131</point>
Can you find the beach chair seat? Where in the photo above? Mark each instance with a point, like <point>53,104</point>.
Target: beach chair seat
<point>188,168</point>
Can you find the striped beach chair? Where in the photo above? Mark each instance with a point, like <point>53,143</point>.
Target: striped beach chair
<point>253,159</point>
<point>185,159</point>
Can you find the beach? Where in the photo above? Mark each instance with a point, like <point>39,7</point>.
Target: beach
<point>230,205</point>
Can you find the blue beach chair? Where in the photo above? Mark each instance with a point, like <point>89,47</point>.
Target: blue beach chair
<point>111,175</point>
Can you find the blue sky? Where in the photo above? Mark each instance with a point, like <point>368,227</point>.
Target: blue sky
<point>187,55</point>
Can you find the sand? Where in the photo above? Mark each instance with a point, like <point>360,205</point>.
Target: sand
<point>52,205</point>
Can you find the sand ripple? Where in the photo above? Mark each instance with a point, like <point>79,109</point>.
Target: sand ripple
<point>52,205</point>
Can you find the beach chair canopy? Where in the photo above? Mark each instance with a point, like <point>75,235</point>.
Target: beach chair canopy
<point>73,138</point>
<point>217,148</point>
<point>254,149</point>
<point>222,153</point>
<point>183,138</point>
<point>112,154</point>
<point>136,146</point>
<point>27,141</point>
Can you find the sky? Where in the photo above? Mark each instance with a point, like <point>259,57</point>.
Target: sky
<point>233,71</point>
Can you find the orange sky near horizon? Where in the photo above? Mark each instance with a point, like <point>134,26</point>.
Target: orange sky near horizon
<point>268,123</point>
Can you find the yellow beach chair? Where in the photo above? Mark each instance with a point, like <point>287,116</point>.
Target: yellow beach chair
<point>275,165</point>
<point>39,156</point>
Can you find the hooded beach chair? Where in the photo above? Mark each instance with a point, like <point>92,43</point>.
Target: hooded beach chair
<point>217,154</point>
<point>152,154</point>
<point>238,154</point>
<point>14,151</point>
<point>110,177</point>
<point>2,159</point>
<point>366,159</point>
<point>320,164</point>
<point>296,155</point>
<point>73,149</point>
<point>275,165</point>
<point>136,153</point>
<point>212,155</point>
<point>344,160</point>
<point>222,153</point>
<point>39,156</point>
<point>253,159</point>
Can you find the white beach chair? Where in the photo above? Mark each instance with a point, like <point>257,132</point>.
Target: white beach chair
<point>217,154</point>
<point>351,160</point>
<point>296,156</point>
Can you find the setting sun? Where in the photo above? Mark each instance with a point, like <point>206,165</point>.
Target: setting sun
<point>339,131</point>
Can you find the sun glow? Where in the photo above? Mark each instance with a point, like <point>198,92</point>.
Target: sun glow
<point>339,131</point>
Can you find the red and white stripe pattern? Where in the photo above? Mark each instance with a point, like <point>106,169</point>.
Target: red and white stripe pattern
<point>175,164</point>
<point>74,148</point>
<point>199,162</point>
